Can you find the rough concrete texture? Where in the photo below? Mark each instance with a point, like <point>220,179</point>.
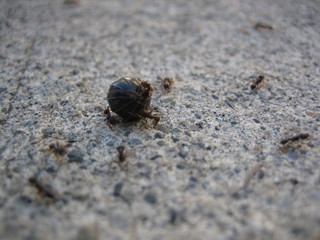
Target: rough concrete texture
<point>212,168</point>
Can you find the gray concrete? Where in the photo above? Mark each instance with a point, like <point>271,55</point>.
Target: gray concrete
<point>212,169</point>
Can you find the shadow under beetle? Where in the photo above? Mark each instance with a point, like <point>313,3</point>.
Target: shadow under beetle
<point>130,99</point>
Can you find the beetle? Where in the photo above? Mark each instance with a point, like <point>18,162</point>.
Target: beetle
<point>130,99</point>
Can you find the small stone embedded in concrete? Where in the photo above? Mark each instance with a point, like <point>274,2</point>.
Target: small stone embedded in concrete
<point>117,189</point>
<point>183,154</point>
<point>155,157</point>
<point>158,135</point>
<point>150,198</point>
<point>135,142</point>
<point>293,181</point>
<point>75,156</point>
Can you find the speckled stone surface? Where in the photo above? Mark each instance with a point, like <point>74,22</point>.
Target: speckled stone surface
<point>213,168</point>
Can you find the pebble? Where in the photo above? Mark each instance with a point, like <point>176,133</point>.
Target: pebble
<point>135,142</point>
<point>75,156</point>
<point>117,189</point>
<point>150,198</point>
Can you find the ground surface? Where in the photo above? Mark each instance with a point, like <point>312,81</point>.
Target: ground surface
<point>189,177</point>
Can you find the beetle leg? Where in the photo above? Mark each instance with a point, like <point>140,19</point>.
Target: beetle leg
<point>110,119</point>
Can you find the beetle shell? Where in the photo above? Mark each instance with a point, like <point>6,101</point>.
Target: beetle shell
<point>129,98</point>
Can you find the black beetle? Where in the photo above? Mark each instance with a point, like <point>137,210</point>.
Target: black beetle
<point>130,99</point>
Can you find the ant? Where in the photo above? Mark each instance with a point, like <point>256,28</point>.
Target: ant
<point>58,149</point>
<point>257,82</point>
<point>300,136</point>
<point>45,189</point>
<point>122,156</point>
<point>166,83</point>
<point>260,25</point>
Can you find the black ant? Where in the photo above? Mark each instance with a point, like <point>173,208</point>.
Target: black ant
<point>257,82</point>
<point>300,136</point>
<point>260,25</point>
<point>122,156</point>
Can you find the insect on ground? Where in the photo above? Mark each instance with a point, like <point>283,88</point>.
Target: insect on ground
<point>257,82</point>
<point>166,83</point>
<point>122,156</point>
<point>261,26</point>
<point>295,138</point>
<point>130,99</point>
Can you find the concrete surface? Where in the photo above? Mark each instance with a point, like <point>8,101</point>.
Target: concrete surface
<point>212,169</point>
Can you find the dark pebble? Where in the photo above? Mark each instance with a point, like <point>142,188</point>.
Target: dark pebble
<point>201,145</point>
<point>256,120</point>
<point>150,198</point>
<point>110,143</point>
<point>199,125</point>
<point>174,139</point>
<point>75,72</point>
<point>75,156</point>
<point>158,135</point>
<point>197,116</point>
<point>117,189</point>
<point>161,143</point>
<point>213,168</point>
<point>18,132</point>
<point>127,133</point>
<point>293,181</point>
<point>50,170</point>
<point>193,179</point>
<point>48,132</point>
<point>183,154</point>
<point>303,152</point>
<point>233,123</point>
<point>3,89</point>
<point>135,142</point>
<point>214,97</point>
<point>90,146</point>
<point>164,129</point>
<point>175,130</point>
<point>260,174</point>
<point>175,216</point>
<point>25,199</point>
<point>155,157</point>
<point>2,149</point>
<point>179,166</point>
